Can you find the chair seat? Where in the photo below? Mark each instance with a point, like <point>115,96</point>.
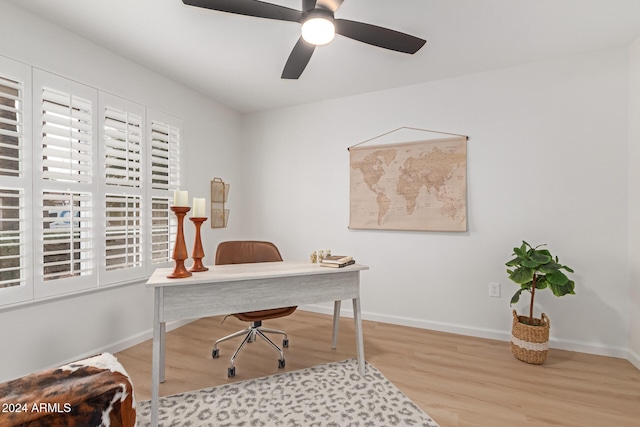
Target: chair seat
<point>255,316</point>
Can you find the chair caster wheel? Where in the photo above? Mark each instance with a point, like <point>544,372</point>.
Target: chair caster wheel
<point>231,372</point>
<point>280,363</point>
<point>285,343</point>
<point>215,353</point>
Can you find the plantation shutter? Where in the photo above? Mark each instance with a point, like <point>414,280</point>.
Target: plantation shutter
<point>11,200</point>
<point>67,143</point>
<point>164,172</point>
<point>123,148</point>
<point>67,235</point>
<point>67,161</point>
<point>15,183</point>
<point>165,156</point>
<point>11,127</point>
<point>123,232</point>
<point>12,262</point>
<point>122,154</point>
<point>163,230</point>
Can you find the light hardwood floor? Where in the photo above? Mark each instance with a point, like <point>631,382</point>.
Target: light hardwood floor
<point>457,380</point>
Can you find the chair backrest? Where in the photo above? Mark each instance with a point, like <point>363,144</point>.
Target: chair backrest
<point>246,251</point>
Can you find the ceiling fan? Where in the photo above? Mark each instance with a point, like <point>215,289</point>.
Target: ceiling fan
<point>318,27</point>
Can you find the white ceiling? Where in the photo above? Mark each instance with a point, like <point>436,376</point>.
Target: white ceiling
<point>237,60</point>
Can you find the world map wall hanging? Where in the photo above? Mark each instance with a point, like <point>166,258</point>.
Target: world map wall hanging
<point>418,185</point>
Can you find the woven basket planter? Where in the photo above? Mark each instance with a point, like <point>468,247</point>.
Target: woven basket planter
<point>530,343</point>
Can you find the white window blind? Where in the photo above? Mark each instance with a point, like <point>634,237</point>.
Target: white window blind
<point>67,187</point>
<point>123,232</point>
<point>11,127</point>
<point>165,156</point>
<point>15,183</point>
<point>123,246</point>
<point>67,141</point>
<point>12,245</point>
<point>164,175</point>
<point>12,262</point>
<point>122,148</point>
<point>67,235</point>
<point>163,230</point>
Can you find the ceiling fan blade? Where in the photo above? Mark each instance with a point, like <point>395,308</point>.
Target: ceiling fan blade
<point>298,59</point>
<point>255,8</point>
<point>332,5</point>
<point>308,5</point>
<point>379,36</point>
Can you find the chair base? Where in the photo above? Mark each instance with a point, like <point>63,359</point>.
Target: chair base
<point>250,334</point>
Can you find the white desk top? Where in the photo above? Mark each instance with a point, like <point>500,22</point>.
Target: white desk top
<point>236,272</point>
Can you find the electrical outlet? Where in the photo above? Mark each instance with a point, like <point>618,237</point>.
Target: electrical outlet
<point>494,290</point>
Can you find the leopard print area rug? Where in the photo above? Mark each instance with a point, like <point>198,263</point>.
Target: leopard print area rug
<point>328,395</point>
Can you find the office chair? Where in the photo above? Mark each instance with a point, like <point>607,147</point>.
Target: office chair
<point>242,252</point>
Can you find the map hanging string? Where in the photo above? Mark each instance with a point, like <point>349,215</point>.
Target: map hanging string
<point>408,128</point>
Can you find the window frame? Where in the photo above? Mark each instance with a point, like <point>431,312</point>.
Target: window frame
<point>34,187</point>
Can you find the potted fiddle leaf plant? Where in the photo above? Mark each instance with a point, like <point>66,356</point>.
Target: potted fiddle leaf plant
<point>535,269</point>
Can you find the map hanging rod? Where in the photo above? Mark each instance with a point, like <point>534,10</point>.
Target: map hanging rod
<point>408,128</point>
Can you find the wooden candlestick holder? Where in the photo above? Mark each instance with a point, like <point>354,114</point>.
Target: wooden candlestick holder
<point>198,253</point>
<point>180,248</point>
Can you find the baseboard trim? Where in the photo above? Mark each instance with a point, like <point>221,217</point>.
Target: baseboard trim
<point>494,334</point>
<point>347,311</point>
<point>117,346</point>
<point>634,358</point>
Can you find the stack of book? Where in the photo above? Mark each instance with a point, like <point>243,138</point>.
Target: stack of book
<point>337,261</point>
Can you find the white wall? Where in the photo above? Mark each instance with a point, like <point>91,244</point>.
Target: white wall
<point>40,335</point>
<point>634,202</point>
<point>547,161</point>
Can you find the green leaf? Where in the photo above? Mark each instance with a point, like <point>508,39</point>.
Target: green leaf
<point>549,267</point>
<point>541,283</point>
<point>520,253</point>
<point>516,297</point>
<point>558,290</point>
<point>522,275</point>
<point>571,286</point>
<point>514,262</point>
<point>540,257</point>
<point>530,263</point>
<point>557,278</point>
<point>566,268</point>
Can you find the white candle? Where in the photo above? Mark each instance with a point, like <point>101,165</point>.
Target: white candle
<point>198,208</point>
<point>180,198</point>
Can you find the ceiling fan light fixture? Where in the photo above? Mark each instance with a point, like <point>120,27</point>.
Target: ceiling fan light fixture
<point>318,31</point>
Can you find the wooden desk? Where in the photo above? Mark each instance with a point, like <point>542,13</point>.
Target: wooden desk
<point>236,288</point>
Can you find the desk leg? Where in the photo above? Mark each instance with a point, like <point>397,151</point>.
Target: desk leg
<point>163,331</point>
<point>157,356</point>
<point>336,323</point>
<point>357,317</point>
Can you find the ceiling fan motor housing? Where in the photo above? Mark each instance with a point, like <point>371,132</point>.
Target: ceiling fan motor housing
<point>318,27</point>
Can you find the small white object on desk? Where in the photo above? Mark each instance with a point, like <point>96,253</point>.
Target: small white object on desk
<point>198,208</point>
<point>180,198</point>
